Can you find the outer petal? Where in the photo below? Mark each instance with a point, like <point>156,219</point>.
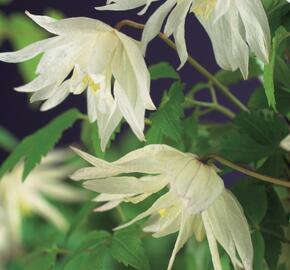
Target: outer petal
<point>154,24</point>
<point>127,185</point>
<point>231,229</point>
<point>122,5</point>
<point>212,242</point>
<point>139,69</point>
<point>164,201</point>
<point>185,232</point>
<point>61,94</point>
<point>70,25</point>
<point>28,52</point>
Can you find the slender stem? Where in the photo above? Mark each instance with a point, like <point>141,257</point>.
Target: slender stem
<point>211,105</point>
<point>225,90</point>
<point>121,214</point>
<point>265,178</point>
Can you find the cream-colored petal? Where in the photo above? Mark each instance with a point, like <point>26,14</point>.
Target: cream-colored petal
<point>212,242</point>
<point>122,5</point>
<point>70,25</point>
<point>29,52</point>
<point>127,185</point>
<point>164,201</point>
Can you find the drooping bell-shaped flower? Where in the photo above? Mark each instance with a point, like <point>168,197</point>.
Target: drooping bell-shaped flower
<point>18,198</point>
<point>106,63</point>
<point>235,27</point>
<point>196,202</point>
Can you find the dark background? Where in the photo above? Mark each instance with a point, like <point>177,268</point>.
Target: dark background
<point>21,119</point>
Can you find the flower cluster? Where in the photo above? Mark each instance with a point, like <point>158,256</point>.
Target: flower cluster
<point>88,56</point>
<point>196,203</point>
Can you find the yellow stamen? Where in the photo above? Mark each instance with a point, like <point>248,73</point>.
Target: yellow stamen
<point>203,8</point>
<point>162,212</point>
<point>95,87</point>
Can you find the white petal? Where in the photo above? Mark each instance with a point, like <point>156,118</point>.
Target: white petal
<point>154,24</point>
<point>230,227</point>
<point>28,52</point>
<point>70,25</point>
<point>61,94</point>
<point>164,201</point>
<point>123,5</point>
<point>185,232</point>
<point>108,206</point>
<point>127,185</point>
<point>212,242</point>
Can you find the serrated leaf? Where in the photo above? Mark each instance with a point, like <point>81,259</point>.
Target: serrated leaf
<point>91,253</point>
<point>7,140</point>
<point>35,146</point>
<point>253,198</point>
<point>163,70</point>
<point>264,127</point>
<point>127,248</point>
<point>166,122</point>
<point>257,135</point>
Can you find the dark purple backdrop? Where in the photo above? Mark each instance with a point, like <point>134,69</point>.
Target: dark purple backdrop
<point>22,120</point>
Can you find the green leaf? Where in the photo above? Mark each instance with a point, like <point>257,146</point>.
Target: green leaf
<point>37,145</point>
<point>256,135</point>
<point>264,127</point>
<point>272,228</point>
<point>269,81</point>
<point>91,254</point>
<point>7,140</point>
<point>253,198</point>
<point>44,259</point>
<point>259,250</point>
<point>166,122</point>
<point>127,248</point>
<point>163,70</point>
<point>90,138</point>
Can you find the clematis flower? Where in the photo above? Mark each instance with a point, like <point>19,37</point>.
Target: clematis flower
<point>235,27</point>
<point>196,202</point>
<point>95,54</point>
<point>18,198</point>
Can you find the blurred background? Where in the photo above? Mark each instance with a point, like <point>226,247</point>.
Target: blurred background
<point>17,31</point>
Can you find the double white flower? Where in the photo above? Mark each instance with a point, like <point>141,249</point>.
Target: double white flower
<point>196,202</point>
<point>18,198</point>
<point>96,53</point>
<point>235,27</point>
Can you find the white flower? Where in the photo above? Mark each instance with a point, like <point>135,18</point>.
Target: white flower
<point>96,53</point>
<point>235,27</point>
<point>18,198</point>
<point>196,201</point>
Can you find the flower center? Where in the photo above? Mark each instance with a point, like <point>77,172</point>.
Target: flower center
<point>93,86</point>
<point>203,8</point>
<point>163,212</point>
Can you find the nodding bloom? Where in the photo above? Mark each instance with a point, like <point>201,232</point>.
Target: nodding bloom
<point>196,201</point>
<point>88,55</point>
<point>235,27</point>
<point>19,199</point>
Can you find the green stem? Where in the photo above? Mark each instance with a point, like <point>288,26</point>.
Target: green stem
<point>121,214</point>
<point>211,105</point>
<point>230,164</point>
<point>225,90</point>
